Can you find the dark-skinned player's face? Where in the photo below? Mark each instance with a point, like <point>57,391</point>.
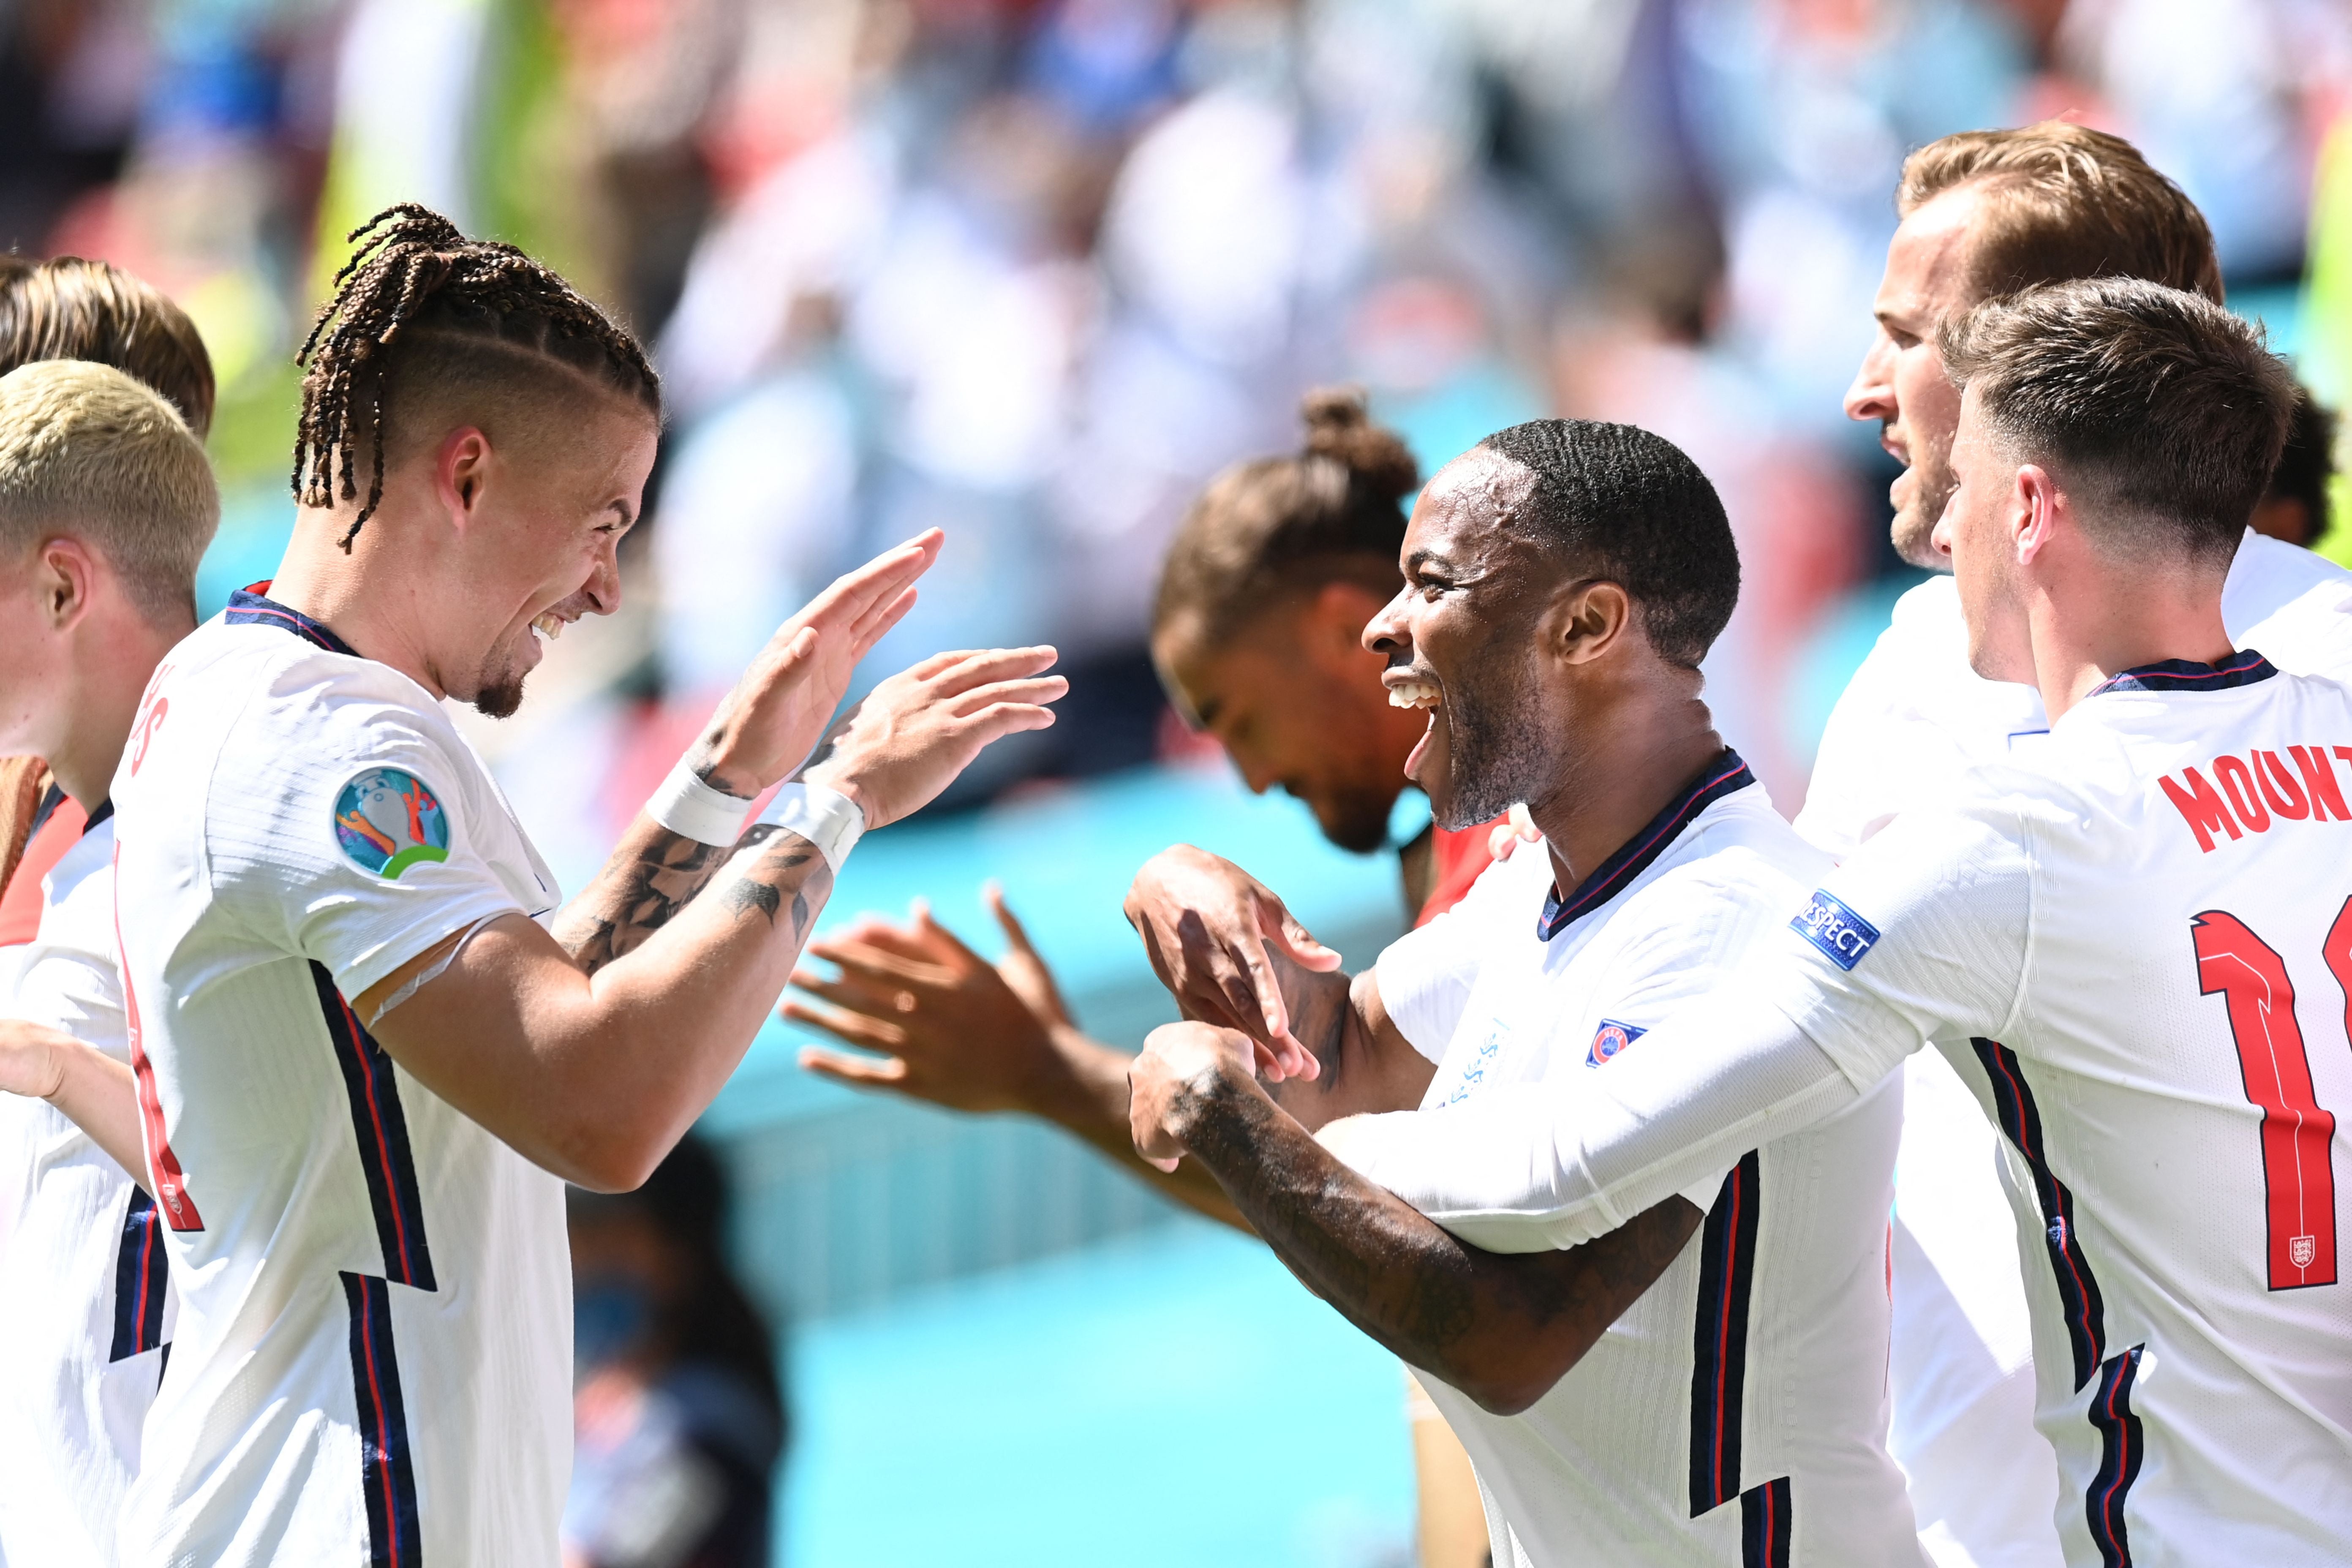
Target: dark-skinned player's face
<point>1297,703</point>
<point>1461,642</point>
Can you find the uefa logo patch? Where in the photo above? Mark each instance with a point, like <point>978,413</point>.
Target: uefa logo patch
<point>386,821</point>
<point>1609,1039</point>
<point>1837,931</point>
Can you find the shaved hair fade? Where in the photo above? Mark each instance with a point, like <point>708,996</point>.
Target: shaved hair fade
<point>2164,411</point>
<point>1622,503</point>
<point>426,328</point>
<point>2063,200</point>
<point>67,308</point>
<point>86,450</point>
<point>1270,527</point>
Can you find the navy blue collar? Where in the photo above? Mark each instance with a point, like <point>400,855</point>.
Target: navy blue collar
<point>1726,774</point>
<point>248,606</point>
<point>53,798</point>
<point>2242,667</point>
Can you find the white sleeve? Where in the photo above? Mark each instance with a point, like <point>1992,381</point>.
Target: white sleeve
<point>1923,931</point>
<point>1844,799</point>
<point>358,853</point>
<point>1426,975</point>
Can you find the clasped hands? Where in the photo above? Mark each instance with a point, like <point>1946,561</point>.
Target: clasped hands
<point>1224,945</point>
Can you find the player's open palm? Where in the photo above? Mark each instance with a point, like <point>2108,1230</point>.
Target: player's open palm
<point>916,731</point>
<point>1219,938</point>
<point>952,1028</point>
<point>778,711</point>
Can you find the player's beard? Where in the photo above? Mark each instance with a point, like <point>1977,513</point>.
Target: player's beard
<point>1495,752</point>
<point>1932,484</point>
<point>1356,820</point>
<point>499,698</point>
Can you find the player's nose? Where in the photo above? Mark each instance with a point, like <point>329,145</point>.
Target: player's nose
<point>1386,632</point>
<point>1872,395</point>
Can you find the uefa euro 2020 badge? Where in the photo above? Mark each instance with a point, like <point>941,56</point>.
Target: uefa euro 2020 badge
<point>386,821</point>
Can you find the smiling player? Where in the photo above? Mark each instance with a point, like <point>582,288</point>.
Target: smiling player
<point>1707,1386</point>
<point>2133,948</point>
<point>365,1069</point>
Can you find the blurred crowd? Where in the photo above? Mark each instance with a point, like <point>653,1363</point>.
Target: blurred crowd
<point>1034,270</point>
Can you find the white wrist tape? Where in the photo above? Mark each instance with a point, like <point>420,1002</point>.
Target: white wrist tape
<point>825,817</point>
<point>687,806</point>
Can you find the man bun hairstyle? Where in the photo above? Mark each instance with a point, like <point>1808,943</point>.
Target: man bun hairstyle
<point>422,318</point>
<point>86,450</point>
<point>1624,504</point>
<point>67,308</point>
<point>2063,200</point>
<point>1273,526</point>
<point>2162,411</point>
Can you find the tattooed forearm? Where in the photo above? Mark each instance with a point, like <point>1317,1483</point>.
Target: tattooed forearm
<point>786,867</point>
<point>654,873</point>
<point>1503,1328</point>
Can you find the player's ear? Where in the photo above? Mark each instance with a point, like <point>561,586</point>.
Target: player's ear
<point>1590,619</point>
<point>461,469</point>
<point>65,578</point>
<point>2035,508</point>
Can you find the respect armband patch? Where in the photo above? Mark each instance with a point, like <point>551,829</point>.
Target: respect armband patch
<point>1837,931</point>
<point>387,820</point>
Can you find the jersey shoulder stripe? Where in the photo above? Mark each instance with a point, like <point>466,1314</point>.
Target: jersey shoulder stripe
<point>387,1466</point>
<point>1720,1372</point>
<point>2078,1289</point>
<point>380,1128</point>
<point>140,1278</point>
<point>1766,1525</point>
<point>2121,1446</point>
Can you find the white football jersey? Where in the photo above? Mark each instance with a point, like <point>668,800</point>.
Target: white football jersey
<point>86,1305</point>
<point>1736,1414</point>
<point>1913,719</point>
<point>2137,950</point>
<point>373,1358</point>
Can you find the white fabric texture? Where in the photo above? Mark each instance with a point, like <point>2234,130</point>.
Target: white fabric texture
<point>70,1410</point>
<point>374,1335</point>
<point>2119,959</point>
<point>1600,1470</point>
<point>1913,718</point>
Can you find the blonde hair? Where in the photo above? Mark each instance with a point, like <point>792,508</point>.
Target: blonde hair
<point>87,451</point>
<point>2061,202</point>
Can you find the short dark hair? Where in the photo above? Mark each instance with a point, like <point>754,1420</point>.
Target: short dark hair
<point>2065,201</point>
<point>2306,464</point>
<point>1630,506</point>
<point>420,312</point>
<point>1273,526</point>
<point>2162,405</point>
<point>67,308</point>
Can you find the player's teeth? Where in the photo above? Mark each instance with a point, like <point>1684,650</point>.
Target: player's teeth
<point>548,626</point>
<point>1413,694</point>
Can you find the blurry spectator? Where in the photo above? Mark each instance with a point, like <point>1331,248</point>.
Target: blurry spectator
<point>2295,507</point>
<point>678,1412</point>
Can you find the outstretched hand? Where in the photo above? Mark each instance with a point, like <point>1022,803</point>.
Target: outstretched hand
<point>951,1028</point>
<point>778,711</point>
<point>1218,938</point>
<point>916,731</point>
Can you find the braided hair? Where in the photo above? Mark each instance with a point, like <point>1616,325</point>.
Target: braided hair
<point>418,304</point>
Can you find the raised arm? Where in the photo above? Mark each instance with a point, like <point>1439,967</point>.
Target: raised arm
<point>593,1066</point>
<point>1502,1328</point>
<point>763,728</point>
